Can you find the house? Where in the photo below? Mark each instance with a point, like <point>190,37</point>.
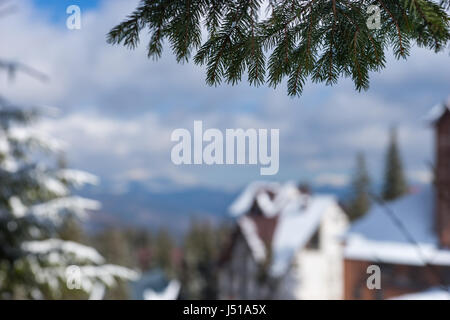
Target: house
<point>285,245</point>
<point>409,238</point>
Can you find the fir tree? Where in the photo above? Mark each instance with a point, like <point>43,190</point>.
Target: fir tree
<point>116,247</point>
<point>201,250</point>
<point>35,202</point>
<point>360,202</point>
<point>394,179</point>
<point>317,39</point>
<point>164,249</point>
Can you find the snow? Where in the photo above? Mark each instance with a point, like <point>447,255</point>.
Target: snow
<point>286,196</point>
<point>250,233</point>
<point>56,182</point>
<point>415,211</point>
<point>376,237</point>
<point>35,137</point>
<point>53,185</point>
<point>245,201</point>
<point>430,294</point>
<point>9,164</point>
<point>259,191</point>
<point>97,292</point>
<point>438,111</point>
<point>49,260</point>
<point>169,293</point>
<point>4,145</point>
<point>79,251</point>
<point>299,215</point>
<point>92,277</point>
<point>106,274</point>
<point>77,178</point>
<point>18,209</point>
<point>359,248</point>
<point>295,227</point>
<point>53,209</point>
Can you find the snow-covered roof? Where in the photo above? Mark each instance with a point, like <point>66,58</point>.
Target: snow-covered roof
<point>298,216</point>
<point>430,294</point>
<point>245,200</point>
<point>377,237</point>
<point>154,285</point>
<point>171,292</point>
<point>438,111</point>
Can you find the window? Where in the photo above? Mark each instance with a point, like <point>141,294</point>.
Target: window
<point>314,242</point>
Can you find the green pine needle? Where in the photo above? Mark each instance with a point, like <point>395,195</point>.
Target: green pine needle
<point>321,40</point>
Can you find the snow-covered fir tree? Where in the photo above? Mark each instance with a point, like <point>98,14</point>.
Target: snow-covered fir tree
<point>35,200</point>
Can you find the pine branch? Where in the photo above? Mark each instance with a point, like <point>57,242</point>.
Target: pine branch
<point>318,39</point>
<point>402,50</point>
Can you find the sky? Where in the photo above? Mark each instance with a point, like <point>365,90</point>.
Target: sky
<point>118,108</point>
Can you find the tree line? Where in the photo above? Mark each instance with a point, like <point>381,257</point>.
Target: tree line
<point>394,185</point>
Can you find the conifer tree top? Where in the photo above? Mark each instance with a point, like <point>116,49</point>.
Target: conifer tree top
<point>395,184</point>
<point>320,40</point>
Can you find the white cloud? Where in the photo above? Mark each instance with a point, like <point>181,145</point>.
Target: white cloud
<point>119,108</point>
<point>332,179</point>
<point>421,176</point>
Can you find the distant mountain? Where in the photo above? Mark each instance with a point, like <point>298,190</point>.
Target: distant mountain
<point>139,206</point>
<point>174,210</point>
<point>342,193</point>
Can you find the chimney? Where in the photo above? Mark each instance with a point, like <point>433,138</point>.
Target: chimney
<point>442,179</point>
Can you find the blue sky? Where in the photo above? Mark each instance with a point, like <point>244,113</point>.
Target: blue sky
<point>118,108</point>
<point>61,5</point>
<point>56,9</point>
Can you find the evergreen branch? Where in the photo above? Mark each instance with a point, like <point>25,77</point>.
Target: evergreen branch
<point>332,41</point>
<point>238,41</point>
<point>430,27</point>
<point>402,50</point>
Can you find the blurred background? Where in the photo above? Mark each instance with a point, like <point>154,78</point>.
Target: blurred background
<point>209,232</point>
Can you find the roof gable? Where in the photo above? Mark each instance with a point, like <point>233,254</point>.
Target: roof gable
<point>285,220</point>
<point>438,112</point>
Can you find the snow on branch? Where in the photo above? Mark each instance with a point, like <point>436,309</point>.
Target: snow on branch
<point>77,178</point>
<point>36,138</point>
<point>92,278</point>
<point>78,251</point>
<point>54,210</point>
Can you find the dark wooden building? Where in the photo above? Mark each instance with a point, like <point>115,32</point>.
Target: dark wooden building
<point>412,248</point>
<point>442,128</point>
